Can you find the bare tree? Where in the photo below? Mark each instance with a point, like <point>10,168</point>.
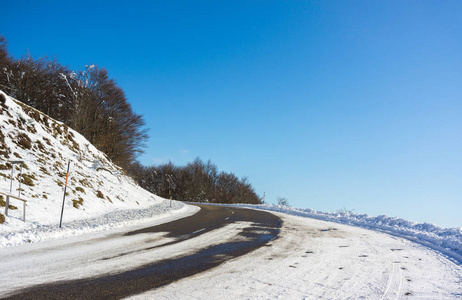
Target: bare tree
<point>5,65</point>
<point>282,201</point>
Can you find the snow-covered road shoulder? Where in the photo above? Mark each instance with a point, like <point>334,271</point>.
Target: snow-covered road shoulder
<point>159,213</point>
<point>314,259</point>
<point>445,240</point>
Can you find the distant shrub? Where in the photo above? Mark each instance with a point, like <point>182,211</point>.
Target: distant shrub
<point>2,219</point>
<point>343,210</point>
<point>80,189</point>
<point>2,98</point>
<point>282,201</point>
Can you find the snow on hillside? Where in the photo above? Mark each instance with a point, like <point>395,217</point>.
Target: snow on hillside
<point>96,188</point>
<point>445,240</point>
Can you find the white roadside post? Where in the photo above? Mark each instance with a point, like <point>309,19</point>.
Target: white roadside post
<point>20,175</point>
<point>7,202</point>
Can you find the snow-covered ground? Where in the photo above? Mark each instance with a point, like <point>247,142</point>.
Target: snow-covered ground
<point>99,194</point>
<point>445,240</point>
<point>311,259</point>
<point>314,259</point>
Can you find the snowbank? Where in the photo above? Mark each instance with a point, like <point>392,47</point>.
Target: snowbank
<point>445,240</point>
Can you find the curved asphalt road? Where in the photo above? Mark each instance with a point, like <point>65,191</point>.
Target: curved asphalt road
<point>265,227</point>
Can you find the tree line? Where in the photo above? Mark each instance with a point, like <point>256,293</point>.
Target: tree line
<point>92,103</point>
<point>198,181</point>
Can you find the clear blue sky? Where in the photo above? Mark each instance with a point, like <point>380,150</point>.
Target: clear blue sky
<point>331,104</point>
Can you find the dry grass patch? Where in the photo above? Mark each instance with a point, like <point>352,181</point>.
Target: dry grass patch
<point>77,203</point>
<point>99,194</point>
<point>23,141</point>
<point>80,189</point>
<point>28,179</point>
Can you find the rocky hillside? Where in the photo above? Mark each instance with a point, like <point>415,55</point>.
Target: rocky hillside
<point>96,186</point>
